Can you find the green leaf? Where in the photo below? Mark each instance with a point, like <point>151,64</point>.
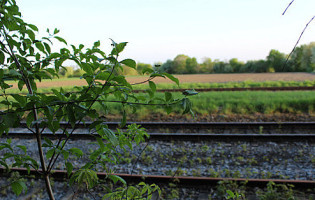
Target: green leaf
<point>172,78</point>
<point>69,168</point>
<point>14,73</point>
<point>87,68</point>
<point>40,47</point>
<point>37,56</point>
<point>168,109</point>
<point>121,80</point>
<point>22,147</point>
<point>190,92</point>
<point>18,187</point>
<point>123,120</point>
<point>61,39</point>
<point>65,154</point>
<point>54,55</point>
<point>152,86</point>
<point>21,83</point>
<point>47,47</point>
<point>71,115</point>
<point>31,34</point>
<point>155,74</point>
<point>50,153</point>
<point>20,99</point>
<point>147,70</point>
<point>29,119</point>
<point>48,141</point>
<point>230,193</point>
<point>168,96</point>
<point>11,120</point>
<point>101,144</point>
<point>32,26</point>
<point>94,124</point>
<point>116,178</point>
<point>129,62</point>
<point>111,136</point>
<point>56,31</point>
<point>103,76</point>
<point>85,176</point>
<point>76,151</point>
<point>2,57</point>
<point>97,44</point>
<point>118,47</point>
<point>186,103</point>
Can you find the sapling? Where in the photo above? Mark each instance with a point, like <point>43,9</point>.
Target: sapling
<point>28,59</point>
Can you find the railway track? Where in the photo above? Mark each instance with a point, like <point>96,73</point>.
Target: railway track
<point>274,137</point>
<point>199,188</point>
<point>186,136</point>
<point>216,127</point>
<point>181,180</point>
<point>291,155</point>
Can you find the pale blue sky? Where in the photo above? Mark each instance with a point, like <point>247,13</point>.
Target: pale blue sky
<point>158,30</point>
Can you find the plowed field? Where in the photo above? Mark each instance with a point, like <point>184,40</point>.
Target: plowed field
<point>197,78</point>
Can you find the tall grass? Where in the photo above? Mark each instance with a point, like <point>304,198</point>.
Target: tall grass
<point>241,102</point>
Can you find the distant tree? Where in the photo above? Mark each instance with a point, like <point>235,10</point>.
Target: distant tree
<point>308,58</point>
<point>66,72</point>
<point>78,73</point>
<point>179,64</point>
<point>276,60</point>
<point>296,60</point>
<point>303,58</point>
<point>206,66</point>
<point>167,67</point>
<point>192,66</point>
<point>255,66</point>
<point>222,67</point>
<point>235,64</point>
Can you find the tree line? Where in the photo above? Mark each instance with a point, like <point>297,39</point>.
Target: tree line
<point>301,60</point>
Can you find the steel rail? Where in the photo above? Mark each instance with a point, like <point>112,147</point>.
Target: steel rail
<point>180,180</point>
<point>215,127</point>
<point>184,136</point>
<point>203,125</point>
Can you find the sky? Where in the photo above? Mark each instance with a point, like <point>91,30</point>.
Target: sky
<point>157,30</point>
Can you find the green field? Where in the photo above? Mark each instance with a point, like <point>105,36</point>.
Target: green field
<point>245,102</point>
<point>243,84</point>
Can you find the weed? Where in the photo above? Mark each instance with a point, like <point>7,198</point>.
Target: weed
<point>276,192</point>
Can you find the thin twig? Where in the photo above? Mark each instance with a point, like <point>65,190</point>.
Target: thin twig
<point>297,42</point>
<point>287,7</point>
<point>133,166</point>
<point>90,193</point>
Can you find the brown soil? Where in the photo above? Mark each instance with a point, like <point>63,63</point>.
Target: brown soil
<point>220,78</point>
<point>197,78</point>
